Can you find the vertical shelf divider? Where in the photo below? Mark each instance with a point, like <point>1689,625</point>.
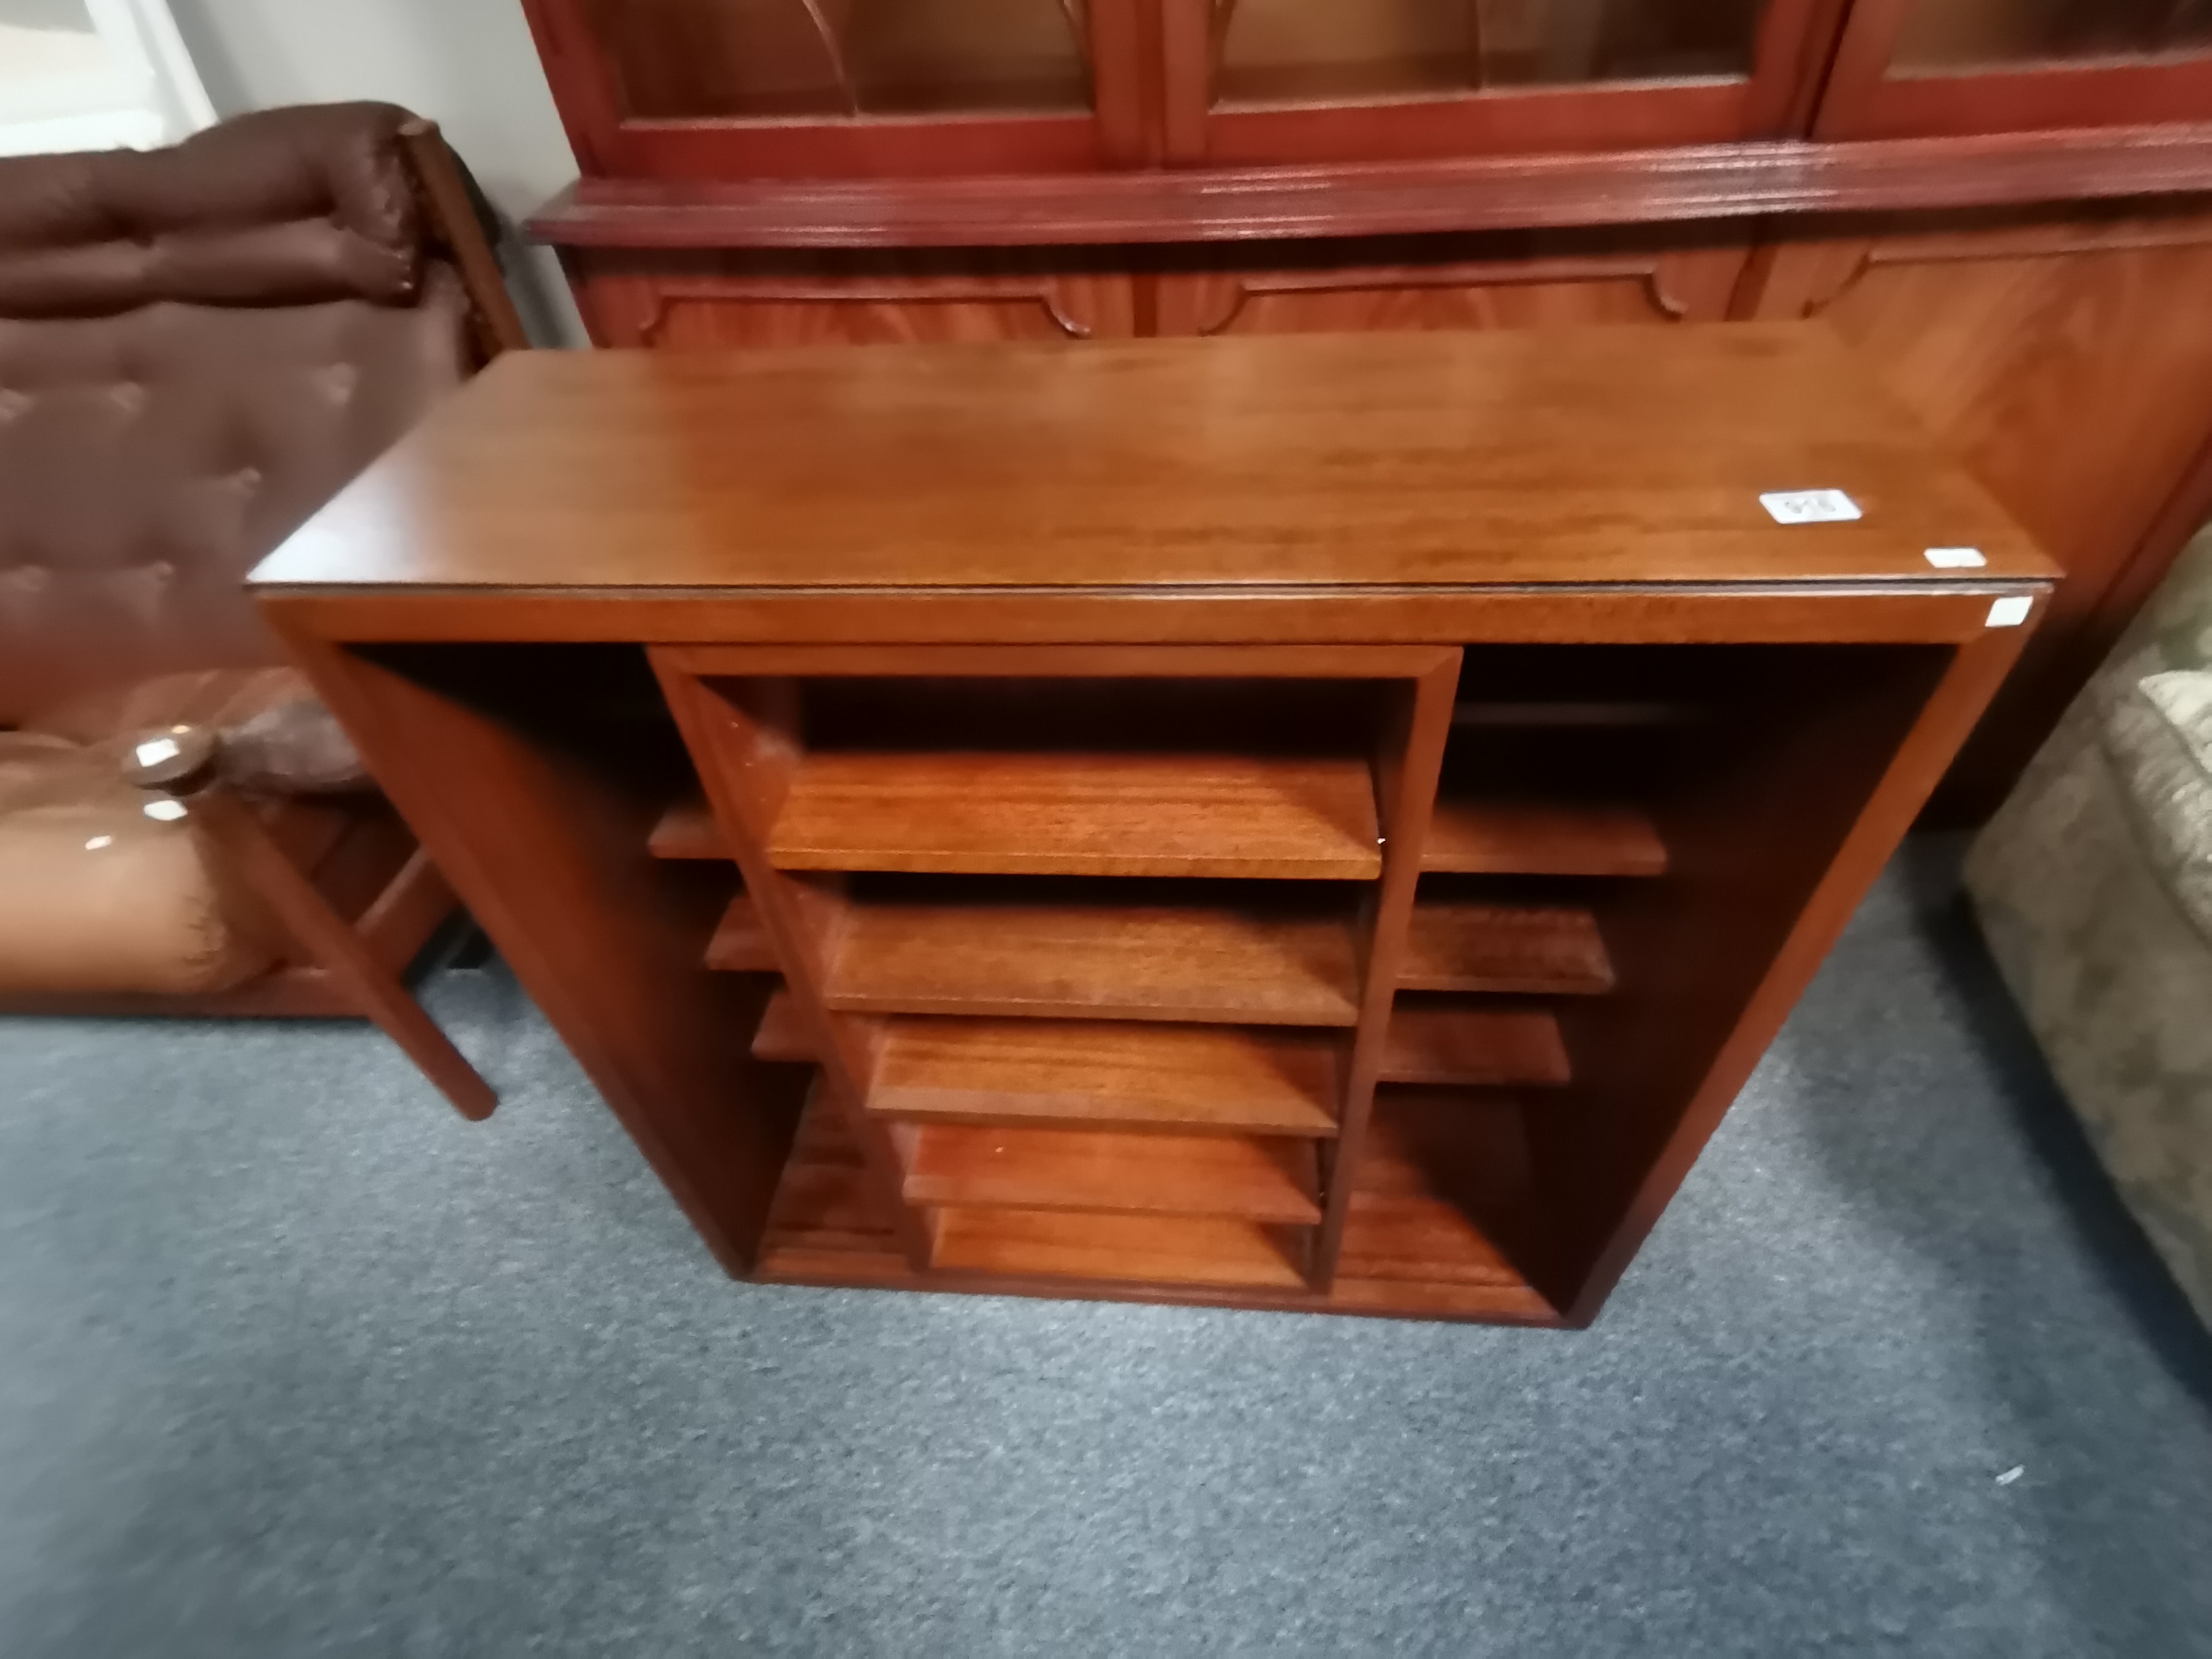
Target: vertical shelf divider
<point>745,755</point>
<point>1407,771</point>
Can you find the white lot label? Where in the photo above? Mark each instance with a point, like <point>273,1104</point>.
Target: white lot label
<point>1956,558</point>
<point>2011,612</point>
<point>1810,507</point>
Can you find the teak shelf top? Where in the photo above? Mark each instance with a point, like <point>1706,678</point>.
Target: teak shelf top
<point>1583,456</point>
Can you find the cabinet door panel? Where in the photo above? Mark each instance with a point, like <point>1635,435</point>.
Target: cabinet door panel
<point>720,301</point>
<point>1926,68</point>
<point>2069,363</point>
<point>1948,35</point>
<point>767,89</point>
<point>764,59</point>
<point>1279,81</point>
<point>1419,283</point>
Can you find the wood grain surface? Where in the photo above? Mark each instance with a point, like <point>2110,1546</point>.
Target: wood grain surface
<point>1470,1041</point>
<point>1006,1167</point>
<point>1629,758</point>
<point>1132,1248</point>
<point>740,943</point>
<point>1095,1074</point>
<point>1507,836</point>
<point>1076,813</point>
<point>1615,186</point>
<point>1466,944</point>
<point>1332,460</point>
<point>1097,956</point>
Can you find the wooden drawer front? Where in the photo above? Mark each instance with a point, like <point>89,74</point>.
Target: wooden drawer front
<point>1460,282</point>
<point>716,301</point>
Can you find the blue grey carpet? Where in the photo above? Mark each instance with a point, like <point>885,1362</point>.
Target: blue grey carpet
<point>293,1362</point>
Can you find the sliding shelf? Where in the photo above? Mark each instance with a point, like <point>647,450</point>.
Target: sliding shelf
<point>740,943</point>
<point>1268,957</point>
<point>1246,1177</point>
<point>1085,814</point>
<point>1125,1249</point>
<point>1483,836</point>
<point>687,830</point>
<point>1459,945</point>
<point>781,1035</point>
<point>1453,1042</point>
<point>1099,1074</point>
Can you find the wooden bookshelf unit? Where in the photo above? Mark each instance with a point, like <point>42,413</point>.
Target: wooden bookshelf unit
<point>1318,824</point>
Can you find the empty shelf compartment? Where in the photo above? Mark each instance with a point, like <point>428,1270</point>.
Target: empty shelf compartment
<point>1444,1193</point>
<point>1080,813</point>
<point>1105,1074</point>
<point>1251,1177</point>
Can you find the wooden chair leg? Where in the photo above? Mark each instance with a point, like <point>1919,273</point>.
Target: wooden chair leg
<point>236,835</point>
<point>443,191</point>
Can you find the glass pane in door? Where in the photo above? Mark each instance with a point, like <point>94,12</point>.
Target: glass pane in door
<point>770,59</point>
<point>1941,36</point>
<point>1296,51</point>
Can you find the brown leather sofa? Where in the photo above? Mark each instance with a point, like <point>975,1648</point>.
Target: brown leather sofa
<point>198,346</point>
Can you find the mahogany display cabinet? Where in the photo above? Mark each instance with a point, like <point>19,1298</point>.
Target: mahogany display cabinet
<point>1320,824</point>
<point>2002,204</point>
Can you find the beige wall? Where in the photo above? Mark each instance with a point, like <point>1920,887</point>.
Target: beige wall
<point>468,64</point>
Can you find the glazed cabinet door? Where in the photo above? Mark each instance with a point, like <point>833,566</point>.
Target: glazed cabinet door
<point>1927,68</point>
<point>2068,362</point>
<point>1271,81</point>
<point>1522,280</point>
<point>715,299</point>
<point>736,89</point>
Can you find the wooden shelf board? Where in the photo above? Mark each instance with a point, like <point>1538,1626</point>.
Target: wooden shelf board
<point>1100,1074</point>
<point>1470,1045</point>
<point>687,830</point>
<point>1085,814</point>
<point>1123,1249</point>
<point>740,944</point>
<point>1248,1177</point>
<point>781,1035</point>
<point>1098,960</point>
<point>1535,948</point>
<point>1501,836</point>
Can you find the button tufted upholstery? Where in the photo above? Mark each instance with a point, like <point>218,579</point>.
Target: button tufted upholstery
<point>285,207</point>
<point>198,347</point>
<point>149,460</point>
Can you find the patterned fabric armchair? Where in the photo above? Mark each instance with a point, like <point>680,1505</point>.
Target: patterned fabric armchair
<point>2094,889</point>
